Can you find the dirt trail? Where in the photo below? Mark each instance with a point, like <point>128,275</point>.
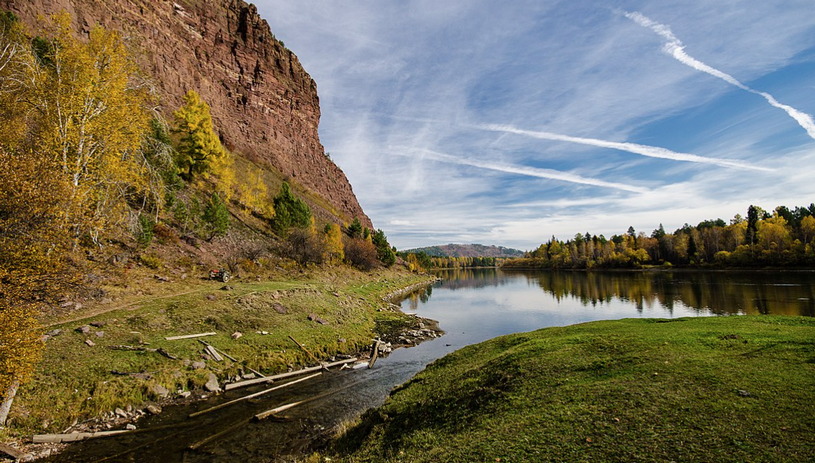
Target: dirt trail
<point>103,309</point>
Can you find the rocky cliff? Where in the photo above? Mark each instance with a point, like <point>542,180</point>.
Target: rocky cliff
<point>264,103</point>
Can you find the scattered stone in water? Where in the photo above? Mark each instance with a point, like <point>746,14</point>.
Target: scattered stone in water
<point>212,384</point>
<point>153,409</point>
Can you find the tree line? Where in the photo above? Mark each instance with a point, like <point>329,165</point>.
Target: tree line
<point>783,237</point>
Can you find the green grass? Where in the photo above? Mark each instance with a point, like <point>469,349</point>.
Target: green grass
<point>75,382</point>
<point>738,389</point>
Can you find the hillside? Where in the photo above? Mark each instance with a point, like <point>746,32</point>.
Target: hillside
<point>264,104</point>
<point>690,389</point>
<point>467,250</point>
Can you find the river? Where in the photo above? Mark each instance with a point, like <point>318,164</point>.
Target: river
<point>472,305</point>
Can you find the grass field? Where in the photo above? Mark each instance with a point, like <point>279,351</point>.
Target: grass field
<point>76,381</point>
<point>735,389</point>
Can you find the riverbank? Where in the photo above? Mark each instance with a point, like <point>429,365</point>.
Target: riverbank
<point>116,365</point>
<point>688,389</point>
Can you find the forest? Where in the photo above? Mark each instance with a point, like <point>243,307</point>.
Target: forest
<point>782,238</point>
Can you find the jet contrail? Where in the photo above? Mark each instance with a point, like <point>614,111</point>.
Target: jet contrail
<point>522,170</point>
<point>674,47</point>
<point>644,150</point>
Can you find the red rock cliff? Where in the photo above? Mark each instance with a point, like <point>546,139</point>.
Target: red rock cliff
<point>264,103</point>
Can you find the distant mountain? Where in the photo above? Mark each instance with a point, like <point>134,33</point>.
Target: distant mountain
<point>468,250</point>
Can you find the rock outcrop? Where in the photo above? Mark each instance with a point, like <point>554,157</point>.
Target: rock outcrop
<point>264,103</point>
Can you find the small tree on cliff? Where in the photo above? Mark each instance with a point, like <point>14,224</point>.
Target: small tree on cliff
<point>290,211</point>
<point>198,146</point>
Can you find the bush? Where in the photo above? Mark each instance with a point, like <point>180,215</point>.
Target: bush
<point>150,261</point>
<point>145,232</point>
<point>304,246</point>
<point>360,253</point>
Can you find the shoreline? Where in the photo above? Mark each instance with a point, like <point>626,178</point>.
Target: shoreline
<point>127,414</point>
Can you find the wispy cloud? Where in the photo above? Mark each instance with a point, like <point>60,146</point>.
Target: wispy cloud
<point>644,150</point>
<point>674,47</point>
<point>521,170</point>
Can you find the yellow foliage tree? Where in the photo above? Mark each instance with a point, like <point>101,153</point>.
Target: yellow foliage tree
<point>334,251</point>
<point>34,241</point>
<point>92,121</point>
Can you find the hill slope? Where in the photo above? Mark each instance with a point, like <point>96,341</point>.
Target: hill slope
<point>264,104</point>
<point>699,389</point>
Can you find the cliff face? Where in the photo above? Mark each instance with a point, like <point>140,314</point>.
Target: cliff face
<point>263,102</point>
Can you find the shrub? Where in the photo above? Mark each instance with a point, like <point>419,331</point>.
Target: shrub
<point>150,261</point>
<point>216,216</point>
<point>360,253</point>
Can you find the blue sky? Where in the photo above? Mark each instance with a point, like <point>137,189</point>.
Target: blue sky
<point>510,122</point>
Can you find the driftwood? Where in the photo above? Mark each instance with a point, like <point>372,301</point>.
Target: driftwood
<point>374,353</point>
<point>189,336</point>
<point>231,357</point>
<point>11,451</point>
<point>56,438</point>
<point>213,353</point>
<point>269,379</point>
<point>313,357</point>
<point>276,410</point>
<point>211,438</point>
<point>252,396</point>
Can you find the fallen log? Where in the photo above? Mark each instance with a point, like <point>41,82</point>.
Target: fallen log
<point>374,354</point>
<point>11,451</point>
<point>313,357</point>
<point>211,438</point>
<point>276,410</point>
<point>231,358</point>
<point>73,437</point>
<point>160,350</point>
<point>252,396</point>
<point>213,353</point>
<point>289,374</point>
<point>189,336</point>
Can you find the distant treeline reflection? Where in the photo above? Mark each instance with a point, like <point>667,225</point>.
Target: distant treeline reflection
<point>722,293</point>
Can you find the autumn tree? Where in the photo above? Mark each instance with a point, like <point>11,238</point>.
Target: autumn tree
<point>34,242</point>
<point>88,114</point>
<point>334,251</point>
<point>199,148</point>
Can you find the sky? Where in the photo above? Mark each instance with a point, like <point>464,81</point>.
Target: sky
<point>507,123</point>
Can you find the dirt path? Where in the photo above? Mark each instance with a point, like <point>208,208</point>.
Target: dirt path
<point>102,309</point>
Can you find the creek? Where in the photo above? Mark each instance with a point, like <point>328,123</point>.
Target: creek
<point>471,305</point>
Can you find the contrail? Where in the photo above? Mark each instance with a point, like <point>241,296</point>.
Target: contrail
<point>674,47</point>
<point>644,150</point>
<point>523,170</point>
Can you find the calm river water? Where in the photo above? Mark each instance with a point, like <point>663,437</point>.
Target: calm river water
<point>471,306</point>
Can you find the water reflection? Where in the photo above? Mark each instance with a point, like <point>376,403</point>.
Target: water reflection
<point>690,292</point>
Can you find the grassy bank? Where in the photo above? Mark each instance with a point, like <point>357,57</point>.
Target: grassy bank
<point>332,311</point>
<point>702,389</point>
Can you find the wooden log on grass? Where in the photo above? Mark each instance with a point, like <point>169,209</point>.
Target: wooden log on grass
<point>252,396</point>
<point>213,353</point>
<point>189,336</point>
<point>269,379</point>
<point>73,437</point>
<point>11,451</point>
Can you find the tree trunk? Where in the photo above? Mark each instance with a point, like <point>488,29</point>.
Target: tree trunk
<point>8,398</point>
